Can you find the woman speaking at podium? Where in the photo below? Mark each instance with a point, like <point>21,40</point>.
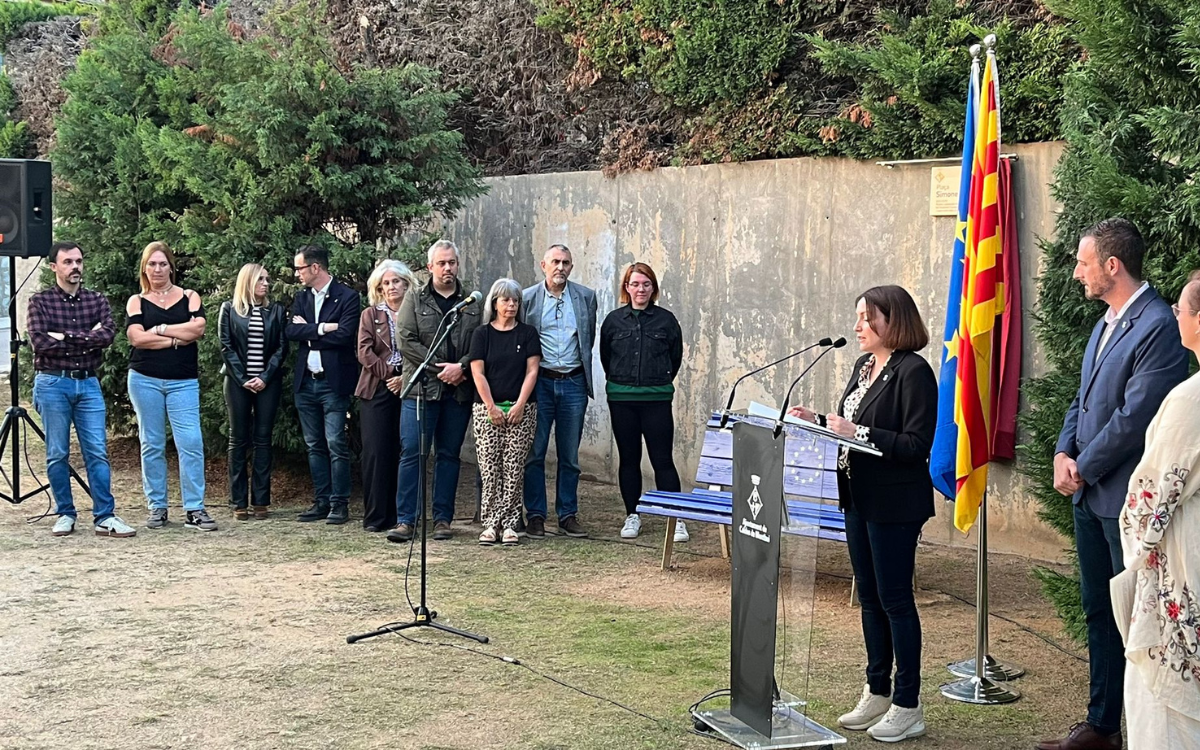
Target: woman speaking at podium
<point>890,401</point>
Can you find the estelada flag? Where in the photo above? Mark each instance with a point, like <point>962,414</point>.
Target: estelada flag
<point>982,298</point>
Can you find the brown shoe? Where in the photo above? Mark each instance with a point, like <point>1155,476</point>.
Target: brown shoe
<point>260,512</point>
<point>570,526</point>
<point>241,514</point>
<point>1083,737</point>
<point>402,533</point>
<point>441,531</point>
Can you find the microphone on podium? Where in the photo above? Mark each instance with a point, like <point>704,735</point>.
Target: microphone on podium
<point>729,404</point>
<point>787,399</point>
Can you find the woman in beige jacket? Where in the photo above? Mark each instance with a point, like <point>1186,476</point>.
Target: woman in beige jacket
<point>1160,529</point>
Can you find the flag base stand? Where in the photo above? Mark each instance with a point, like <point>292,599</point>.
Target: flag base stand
<point>979,685</point>
<point>980,691</point>
<point>992,669</point>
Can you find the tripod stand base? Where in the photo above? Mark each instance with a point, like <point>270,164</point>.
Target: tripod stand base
<point>424,618</point>
<point>992,669</point>
<point>979,691</point>
<point>10,437</point>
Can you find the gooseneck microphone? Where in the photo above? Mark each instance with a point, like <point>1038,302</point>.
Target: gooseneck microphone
<point>787,399</point>
<point>473,299</point>
<point>732,391</point>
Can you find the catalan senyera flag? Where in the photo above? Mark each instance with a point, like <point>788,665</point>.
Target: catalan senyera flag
<point>943,459</point>
<point>982,300</point>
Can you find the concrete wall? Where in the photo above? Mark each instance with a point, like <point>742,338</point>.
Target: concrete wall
<point>758,260</point>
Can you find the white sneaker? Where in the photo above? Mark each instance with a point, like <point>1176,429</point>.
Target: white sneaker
<point>681,534</point>
<point>899,724</point>
<point>113,526</point>
<point>63,526</point>
<point>870,709</point>
<point>633,526</point>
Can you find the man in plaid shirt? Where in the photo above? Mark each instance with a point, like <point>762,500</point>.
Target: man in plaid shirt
<point>70,327</point>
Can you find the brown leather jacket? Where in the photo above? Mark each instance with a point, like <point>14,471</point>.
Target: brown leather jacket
<point>374,348</point>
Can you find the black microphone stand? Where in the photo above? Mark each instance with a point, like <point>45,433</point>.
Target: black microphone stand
<point>787,399</point>
<point>725,413</point>
<point>423,617</point>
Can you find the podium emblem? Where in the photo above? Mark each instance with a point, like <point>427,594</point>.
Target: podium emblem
<point>754,501</point>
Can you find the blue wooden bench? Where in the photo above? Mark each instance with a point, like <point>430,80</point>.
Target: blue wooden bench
<point>806,485</point>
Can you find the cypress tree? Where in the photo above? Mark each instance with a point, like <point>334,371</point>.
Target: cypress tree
<point>1131,118</point>
<point>233,148</point>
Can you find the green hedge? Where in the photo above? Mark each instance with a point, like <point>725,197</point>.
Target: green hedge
<point>883,79</point>
<point>233,150</point>
<point>1131,121</point>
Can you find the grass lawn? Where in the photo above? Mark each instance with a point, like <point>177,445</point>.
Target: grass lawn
<point>237,638</point>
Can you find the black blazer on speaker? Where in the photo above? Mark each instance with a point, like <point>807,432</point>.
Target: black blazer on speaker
<point>900,407</point>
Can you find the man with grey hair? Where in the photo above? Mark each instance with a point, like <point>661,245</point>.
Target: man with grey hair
<point>564,314</point>
<point>448,391</point>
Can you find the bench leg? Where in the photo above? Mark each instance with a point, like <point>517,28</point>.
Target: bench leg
<point>668,544</point>
<point>724,540</point>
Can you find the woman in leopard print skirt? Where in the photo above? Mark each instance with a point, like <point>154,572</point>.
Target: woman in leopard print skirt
<point>504,363</point>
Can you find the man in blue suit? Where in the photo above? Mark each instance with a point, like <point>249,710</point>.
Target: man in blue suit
<point>324,324</point>
<point>1134,358</point>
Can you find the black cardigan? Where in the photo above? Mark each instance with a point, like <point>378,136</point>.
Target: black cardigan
<point>900,407</point>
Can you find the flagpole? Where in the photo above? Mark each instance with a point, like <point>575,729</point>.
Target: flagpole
<point>982,684</point>
<point>982,674</point>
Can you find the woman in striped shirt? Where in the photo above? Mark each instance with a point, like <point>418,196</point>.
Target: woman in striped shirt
<point>254,349</point>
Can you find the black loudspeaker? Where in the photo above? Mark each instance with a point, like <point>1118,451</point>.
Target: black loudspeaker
<point>26,212</point>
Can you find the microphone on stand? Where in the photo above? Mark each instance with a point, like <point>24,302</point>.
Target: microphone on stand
<point>473,299</point>
<point>783,409</point>
<point>729,404</point>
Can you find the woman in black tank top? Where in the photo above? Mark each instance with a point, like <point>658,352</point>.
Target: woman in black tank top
<point>164,324</point>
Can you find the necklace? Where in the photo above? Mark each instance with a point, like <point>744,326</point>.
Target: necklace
<point>165,292</point>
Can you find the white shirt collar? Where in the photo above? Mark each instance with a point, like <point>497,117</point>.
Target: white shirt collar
<point>1111,317</point>
<point>323,290</point>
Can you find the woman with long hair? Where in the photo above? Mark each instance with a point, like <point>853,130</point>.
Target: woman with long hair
<point>379,386</point>
<point>164,322</point>
<point>254,349</point>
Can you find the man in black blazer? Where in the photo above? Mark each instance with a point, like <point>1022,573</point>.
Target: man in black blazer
<point>324,325</point>
<point>1133,359</point>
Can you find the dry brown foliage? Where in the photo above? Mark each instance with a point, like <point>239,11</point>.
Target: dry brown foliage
<point>36,62</point>
<point>529,103</point>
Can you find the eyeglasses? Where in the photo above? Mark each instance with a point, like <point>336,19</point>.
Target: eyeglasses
<point>1175,309</point>
<point>558,308</point>
<point>641,285</point>
<point>301,268</point>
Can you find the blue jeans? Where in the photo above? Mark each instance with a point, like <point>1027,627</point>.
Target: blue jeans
<point>61,401</point>
<point>883,556</point>
<point>1098,542</point>
<point>323,419</point>
<point>445,423</point>
<point>561,404</point>
<point>157,401</point>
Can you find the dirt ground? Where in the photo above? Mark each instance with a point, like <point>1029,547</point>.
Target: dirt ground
<point>237,638</point>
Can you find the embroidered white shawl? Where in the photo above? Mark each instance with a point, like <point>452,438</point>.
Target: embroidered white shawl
<point>1160,538</point>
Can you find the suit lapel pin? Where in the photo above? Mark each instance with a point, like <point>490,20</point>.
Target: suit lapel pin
<point>885,377</point>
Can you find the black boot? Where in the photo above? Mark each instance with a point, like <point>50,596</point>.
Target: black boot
<point>318,512</point>
<point>339,513</point>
